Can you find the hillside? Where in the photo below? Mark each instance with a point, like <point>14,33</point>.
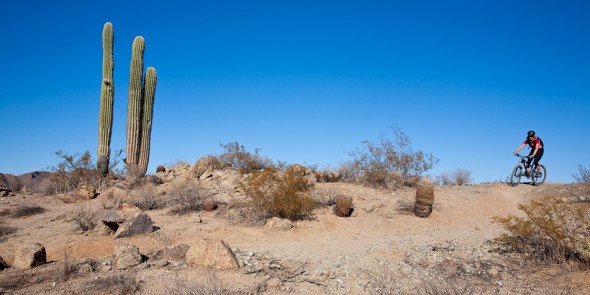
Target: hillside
<point>381,249</point>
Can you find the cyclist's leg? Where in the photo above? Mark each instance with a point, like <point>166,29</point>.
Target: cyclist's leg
<point>538,157</point>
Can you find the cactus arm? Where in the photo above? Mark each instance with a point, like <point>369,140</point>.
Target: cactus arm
<point>107,92</point>
<point>148,111</point>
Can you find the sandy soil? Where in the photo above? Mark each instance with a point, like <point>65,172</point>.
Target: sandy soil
<point>381,249</point>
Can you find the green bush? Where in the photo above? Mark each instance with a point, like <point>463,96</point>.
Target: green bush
<point>554,230</point>
<point>283,194</point>
<point>388,163</point>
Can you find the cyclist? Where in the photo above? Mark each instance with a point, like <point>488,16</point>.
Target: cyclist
<point>536,145</point>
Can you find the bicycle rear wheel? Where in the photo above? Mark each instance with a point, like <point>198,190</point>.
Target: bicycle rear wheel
<point>515,176</point>
<point>539,177</point>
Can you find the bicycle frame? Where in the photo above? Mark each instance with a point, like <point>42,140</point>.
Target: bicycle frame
<point>537,173</point>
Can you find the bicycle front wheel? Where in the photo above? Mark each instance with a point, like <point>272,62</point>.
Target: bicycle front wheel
<point>515,176</point>
<point>539,175</point>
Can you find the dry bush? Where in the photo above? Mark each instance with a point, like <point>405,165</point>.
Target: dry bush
<point>186,198</point>
<point>456,177</point>
<point>85,219</point>
<point>26,211</point>
<point>343,206</point>
<point>382,164</point>
<point>147,198</point>
<point>553,231</point>
<point>583,174</point>
<point>280,194</point>
<point>235,156</point>
<point>73,171</point>
<point>383,281</point>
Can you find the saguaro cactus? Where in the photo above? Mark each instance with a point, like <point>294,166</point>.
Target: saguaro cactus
<point>134,106</point>
<point>149,94</point>
<point>107,94</point>
<point>139,111</point>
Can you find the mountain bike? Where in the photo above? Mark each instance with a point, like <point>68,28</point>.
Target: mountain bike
<point>519,171</point>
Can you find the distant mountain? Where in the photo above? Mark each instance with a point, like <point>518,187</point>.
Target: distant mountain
<point>32,181</point>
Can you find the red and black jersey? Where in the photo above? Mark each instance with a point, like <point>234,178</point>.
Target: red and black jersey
<point>533,143</point>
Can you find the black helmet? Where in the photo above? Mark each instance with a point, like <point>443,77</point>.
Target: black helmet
<point>531,133</point>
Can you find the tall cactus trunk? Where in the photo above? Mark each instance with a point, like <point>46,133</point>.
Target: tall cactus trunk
<point>148,112</point>
<point>134,107</point>
<point>107,93</point>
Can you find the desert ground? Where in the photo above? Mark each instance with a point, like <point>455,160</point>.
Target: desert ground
<point>382,248</point>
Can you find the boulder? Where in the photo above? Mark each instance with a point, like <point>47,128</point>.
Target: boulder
<point>126,255</point>
<point>127,220</point>
<point>214,254</point>
<point>30,255</point>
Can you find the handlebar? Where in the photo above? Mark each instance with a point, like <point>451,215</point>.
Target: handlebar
<point>522,156</point>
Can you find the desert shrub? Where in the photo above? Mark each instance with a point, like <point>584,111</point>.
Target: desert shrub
<point>85,219</point>
<point>280,194</point>
<point>456,177</point>
<point>26,211</point>
<point>147,198</point>
<point>343,206</point>
<point>71,172</point>
<point>583,174</point>
<point>236,156</point>
<point>553,230</point>
<point>387,162</point>
<point>186,198</point>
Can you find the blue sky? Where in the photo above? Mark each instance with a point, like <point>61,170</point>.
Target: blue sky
<point>304,81</point>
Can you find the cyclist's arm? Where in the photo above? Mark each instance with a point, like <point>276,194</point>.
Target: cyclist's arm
<point>520,148</point>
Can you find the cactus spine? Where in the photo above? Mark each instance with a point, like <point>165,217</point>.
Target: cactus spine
<point>107,92</point>
<point>139,111</point>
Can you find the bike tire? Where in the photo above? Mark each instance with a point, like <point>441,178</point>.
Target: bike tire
<point>540,179</point>
<point>516,175</point>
